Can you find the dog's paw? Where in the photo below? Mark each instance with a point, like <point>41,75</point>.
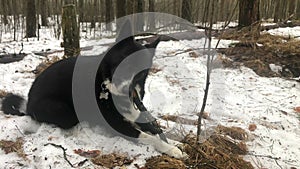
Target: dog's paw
<point>177,153</point>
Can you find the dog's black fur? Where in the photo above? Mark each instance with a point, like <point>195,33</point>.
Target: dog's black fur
<point>50,97</point>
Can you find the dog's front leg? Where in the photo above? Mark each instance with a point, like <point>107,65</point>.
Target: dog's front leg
<point>161,146</point>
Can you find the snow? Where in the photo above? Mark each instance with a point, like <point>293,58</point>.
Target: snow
<point>237,97</point>
<point>290,32</point>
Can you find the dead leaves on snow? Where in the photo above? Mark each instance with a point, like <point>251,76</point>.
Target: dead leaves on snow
<point>9,146</point>
<point>106,160</point>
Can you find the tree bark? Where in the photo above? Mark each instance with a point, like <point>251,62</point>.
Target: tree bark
<point>108,17</point>
<point>291,6</point>
<point>152,16</point>
<point>222,13</point>
<point>186,10</point>
<point>70,31</point>
<point>80,10</point>
<point>276,13</point>
<point>298,10</point>
<point>43,7</point>
<point>94,14</point>
<point>30,19</point>
<point>4,6</point>
<point>139,20</point>
<point>129,7</point>
<point>248,12</point>
<point>120,12</point>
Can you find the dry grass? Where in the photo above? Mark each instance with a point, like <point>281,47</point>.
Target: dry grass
<point>279,50</point>
<point>219,151</point>
<point>234,132</point>
<point>112,160</point>
<point>164,162</point>
<point>272,43</point>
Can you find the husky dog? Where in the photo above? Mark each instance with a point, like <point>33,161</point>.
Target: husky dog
<point>50,98</point>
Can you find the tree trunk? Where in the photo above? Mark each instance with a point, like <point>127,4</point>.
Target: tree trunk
<point>94,14</point>
<point>120,12</point>
<point>70,31</point>
<point>16,18</point>
<point>222,14</point>
<point>152,16</point>
<point>186,10</point>
<point>298,10</point>
<point>248,12</point>
<point>276,13</point>
<point>129,7</point>
<point>66,2</point>
<point>139,20</point>
<point>80,10</point>
<point>4,6</point>
<point>30,19</point>
<point>108,17</point>
<point>43,7</point>
<point>291,5</point>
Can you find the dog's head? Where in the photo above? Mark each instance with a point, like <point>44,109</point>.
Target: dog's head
<point>126,64</point>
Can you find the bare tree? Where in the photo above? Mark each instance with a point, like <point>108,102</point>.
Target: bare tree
<point>208,68</point>
<point>298,10</point>
<point>4,8</point>
<point>186,10</point>
<point>70,31</point>
<point>151,17</point>
<point>291,6</point>
<point>30,19</point>
<point>43,8</point>
<point>248,12</point>
<point>129,7</point>
<point>94,14</point>
<point>140,20</point>
<point>108,15</point>
<point>120,11</point>
<point>80,10</point>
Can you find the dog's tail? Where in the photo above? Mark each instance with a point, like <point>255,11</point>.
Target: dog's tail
<point>13,104</point>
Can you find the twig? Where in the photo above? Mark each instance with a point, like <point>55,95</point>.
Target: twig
<point>208,73</point>
<point>266,156</point>
<point>20,131</point>
<point>64,150</point>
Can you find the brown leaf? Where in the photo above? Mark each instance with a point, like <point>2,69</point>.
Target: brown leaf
<point>112,160</point>
<point>13,146</point>
<point>88,153</point>
<point>297,109</point>
<point>252,127</point>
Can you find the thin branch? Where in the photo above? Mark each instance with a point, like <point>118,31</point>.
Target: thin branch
<point>208,73</point>
<point>267,156</point>
<point>64,151</point>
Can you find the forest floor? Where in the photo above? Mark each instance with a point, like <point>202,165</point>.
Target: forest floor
<point>251,119</point>
<point>268,55</point>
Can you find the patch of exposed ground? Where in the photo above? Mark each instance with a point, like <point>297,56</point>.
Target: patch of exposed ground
<point>259,52</point>
<point>220,150</point>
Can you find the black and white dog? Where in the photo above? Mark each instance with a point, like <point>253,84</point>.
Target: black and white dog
<point>51,98</point>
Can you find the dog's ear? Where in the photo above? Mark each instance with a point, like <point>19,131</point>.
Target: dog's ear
<point>153,44</point>
<point>125,32</point>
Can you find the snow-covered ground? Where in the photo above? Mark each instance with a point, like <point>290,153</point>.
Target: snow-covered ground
<point>286,32</point>
<point>238,97</point>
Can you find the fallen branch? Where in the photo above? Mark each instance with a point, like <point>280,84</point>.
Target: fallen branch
<point>267,156</point>
<point>281,25</point>
<point>64,151</point>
